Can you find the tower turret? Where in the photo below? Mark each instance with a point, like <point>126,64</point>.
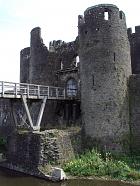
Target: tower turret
<point>134,39</point>
<point>104,70</point>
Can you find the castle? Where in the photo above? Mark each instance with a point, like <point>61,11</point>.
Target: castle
<point>100,73</point>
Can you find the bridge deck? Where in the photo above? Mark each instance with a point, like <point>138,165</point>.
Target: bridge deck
<point>31,91</point>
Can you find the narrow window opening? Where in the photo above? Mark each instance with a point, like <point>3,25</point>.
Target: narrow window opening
<point>77,61</point>
<point>86,32</point>
<point>106,15</point>
<point>114,56</point>
<point>27,56</point>
<point>93,80</point>
<point>89,12</point>
<point>61,66</point>
<point>97,29</point>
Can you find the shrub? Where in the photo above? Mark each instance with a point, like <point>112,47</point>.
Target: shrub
<point>93,164</point>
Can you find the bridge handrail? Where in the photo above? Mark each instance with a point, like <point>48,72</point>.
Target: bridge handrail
<point>15,89</point>
<point>28,84</point>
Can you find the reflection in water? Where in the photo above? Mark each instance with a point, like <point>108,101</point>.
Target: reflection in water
<point>9,178</point>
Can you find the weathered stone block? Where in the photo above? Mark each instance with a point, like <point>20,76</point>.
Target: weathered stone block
<point>30,151</point>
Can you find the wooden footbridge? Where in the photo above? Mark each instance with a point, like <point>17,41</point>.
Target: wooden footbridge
<point>25,91</point>
<point>30,91</point>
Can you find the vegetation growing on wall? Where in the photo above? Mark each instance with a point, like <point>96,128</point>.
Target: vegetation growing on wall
<point>2,145</point>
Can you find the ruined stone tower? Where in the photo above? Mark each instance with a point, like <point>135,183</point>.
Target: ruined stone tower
<point>38,59</point>
<point>104,70</point>
<point>24,65</point>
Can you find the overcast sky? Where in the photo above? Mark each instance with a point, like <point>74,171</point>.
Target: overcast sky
<point>57,19</point>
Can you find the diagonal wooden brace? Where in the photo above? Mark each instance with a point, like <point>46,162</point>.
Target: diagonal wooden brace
<point>41,112</point>
<point>37,126</point>
<point>27,111</point>
<point>23,122</point>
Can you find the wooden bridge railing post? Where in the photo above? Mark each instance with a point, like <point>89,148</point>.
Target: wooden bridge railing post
<point>48,92</point>
<point>15,89</point>
<point>57,93</point>
<point>38,90</point>
<point>28,91</point>
<point>2,88</point>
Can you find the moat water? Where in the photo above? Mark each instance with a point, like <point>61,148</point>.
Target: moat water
<point>10,178</point>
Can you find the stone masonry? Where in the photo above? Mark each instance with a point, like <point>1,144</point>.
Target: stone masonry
<point>29,152</point>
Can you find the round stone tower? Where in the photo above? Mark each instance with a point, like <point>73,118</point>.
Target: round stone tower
<point>24,65</point>
<point>104,69</point>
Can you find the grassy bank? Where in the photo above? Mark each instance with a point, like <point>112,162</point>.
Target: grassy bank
<point>94,164</point>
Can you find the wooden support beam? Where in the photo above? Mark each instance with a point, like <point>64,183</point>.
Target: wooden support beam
<point>41,112</point>
<point>27,111</point>
<point>37,126</point>
<point>23,122</point>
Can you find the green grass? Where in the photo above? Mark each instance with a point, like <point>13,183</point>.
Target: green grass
<point>94,164</point>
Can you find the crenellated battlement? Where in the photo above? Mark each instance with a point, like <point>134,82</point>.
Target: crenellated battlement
<point>134,39</point>
<point>137,31</point>
<point>100,8</point>
<point>100,19</point>
<point>101,5</point>
<point>55,44</point>
<point>61,46</point>
<point>103,12</point>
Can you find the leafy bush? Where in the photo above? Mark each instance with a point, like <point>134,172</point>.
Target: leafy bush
<point>92,163</point>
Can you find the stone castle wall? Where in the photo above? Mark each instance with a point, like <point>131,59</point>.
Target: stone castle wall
<point>7,125</point>
<point>135,112</point>
<point>33,151</point>
<point>51,67</point>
